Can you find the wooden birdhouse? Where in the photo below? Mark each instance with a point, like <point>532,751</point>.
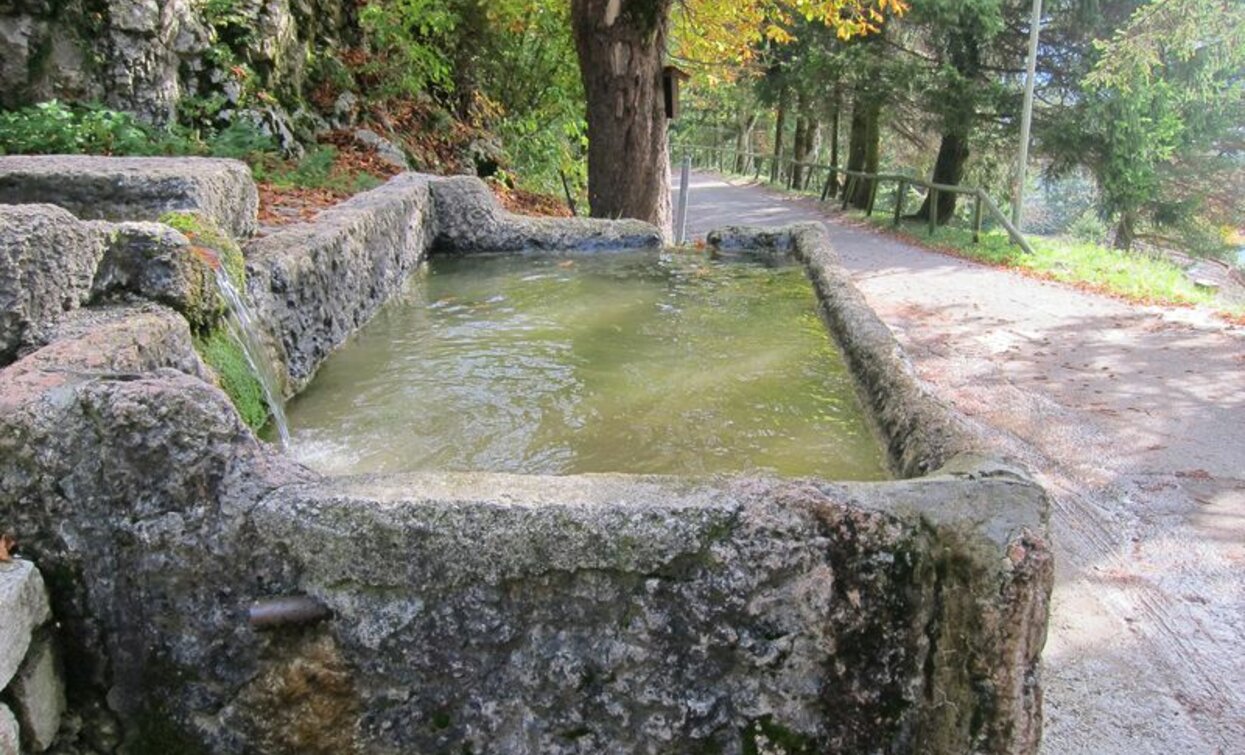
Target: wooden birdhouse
<point>670,78</point>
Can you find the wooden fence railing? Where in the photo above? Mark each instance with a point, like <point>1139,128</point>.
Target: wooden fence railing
<point>730,160</point>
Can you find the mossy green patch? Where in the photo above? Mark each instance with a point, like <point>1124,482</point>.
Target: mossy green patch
<point>204,233</point>
<point>766,735</point>
<point>225,357</point>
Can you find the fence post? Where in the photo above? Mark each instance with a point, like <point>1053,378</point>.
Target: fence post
<point>830,174</point>
<point>849,183</point>
<point>977,217</point>
<point>899,195</point>
<point>756,166</point>
<point>933,210</point>
<point>873,195</point>
<point>680,231</point>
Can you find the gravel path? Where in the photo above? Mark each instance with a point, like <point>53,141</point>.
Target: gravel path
<point>1134,417</point>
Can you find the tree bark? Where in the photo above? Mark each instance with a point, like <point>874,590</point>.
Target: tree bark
<point>1126,231</point>
<point>797,147</point>
<point>743,141</point>
<point>780,122</point>
<point>621,45</point>
<point>863,143</point>
<point>834,141</point>
<point>960,103</point>
<point>948,169</point>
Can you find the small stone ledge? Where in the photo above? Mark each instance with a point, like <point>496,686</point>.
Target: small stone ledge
<point>314,284</point>
<point>468,219</point>
<point>920,432</point>
<point>135,188</point>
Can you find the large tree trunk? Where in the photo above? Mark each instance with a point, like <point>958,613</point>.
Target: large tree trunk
<point>780,122</point>
<point>1126,231</point>
<point>863,143</point>
<point>948,169</point>
<point>960,103</point>
<point>797,146</point>
<point>834,141</point>
<point>621,45</point>
<point>743,141</point>
<point>812,144</point>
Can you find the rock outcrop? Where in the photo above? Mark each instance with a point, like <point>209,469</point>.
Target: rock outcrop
<point>145,56</point>
<point>135,188</point>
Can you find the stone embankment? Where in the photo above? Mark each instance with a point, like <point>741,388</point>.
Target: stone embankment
<point>32,691</point>
<point>474,611</point>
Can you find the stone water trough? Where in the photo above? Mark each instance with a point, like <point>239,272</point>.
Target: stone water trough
<point>455,612</point>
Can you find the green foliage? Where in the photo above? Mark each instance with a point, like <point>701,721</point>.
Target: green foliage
<point>242,140</point>
<point>55,128</point>
<point>412,37</point>
<point>1158,117</point>
<point>225,357</point>
<point>1088,228</point>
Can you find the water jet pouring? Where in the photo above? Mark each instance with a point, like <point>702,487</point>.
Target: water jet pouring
<point>242,327</point>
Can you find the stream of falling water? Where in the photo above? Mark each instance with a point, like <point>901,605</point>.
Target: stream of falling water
<point>241,324</point>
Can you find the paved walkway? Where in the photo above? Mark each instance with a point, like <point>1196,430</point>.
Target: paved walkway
<point>1134,417</point>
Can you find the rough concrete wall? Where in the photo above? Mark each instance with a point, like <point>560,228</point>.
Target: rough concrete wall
<point>580,614</point>
<point>470,220</point>
<point>135,188</point>
<point>609,613</point>
<point>129,478</point>
<point>314,284</point>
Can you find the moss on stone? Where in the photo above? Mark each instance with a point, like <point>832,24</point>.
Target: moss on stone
<point>764,735</point>
<point>204,233</point>
<point>237,380</point>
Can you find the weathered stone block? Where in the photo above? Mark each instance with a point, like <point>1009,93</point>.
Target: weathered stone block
<point>47,261</point>
<point>38,693</point>
<point>10,739</point>
<point>135,188</point>
<point>314,284</point>
<point>24,606</point>
<point>609,613</point>
<point>468,219</point>
<point>156,262</point>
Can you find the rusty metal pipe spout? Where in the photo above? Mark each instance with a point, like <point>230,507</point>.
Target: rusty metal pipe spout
<point>290,610</point>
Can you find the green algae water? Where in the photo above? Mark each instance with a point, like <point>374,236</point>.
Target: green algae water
<point>634,362</point>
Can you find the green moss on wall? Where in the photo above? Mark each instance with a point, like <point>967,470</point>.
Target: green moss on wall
<point>225,357</point>
<point>765,735</point>
<point>202,232</point>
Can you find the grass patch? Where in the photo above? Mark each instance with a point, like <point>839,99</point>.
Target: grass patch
<point>225,357</point>
<point>1130,276</point>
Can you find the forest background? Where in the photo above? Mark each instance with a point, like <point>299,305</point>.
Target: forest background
<point>1138,122</point>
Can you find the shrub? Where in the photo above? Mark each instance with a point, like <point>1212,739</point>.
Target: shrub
<point>55,128</point>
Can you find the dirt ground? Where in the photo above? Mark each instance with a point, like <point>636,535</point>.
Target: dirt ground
<point>1134,418</point>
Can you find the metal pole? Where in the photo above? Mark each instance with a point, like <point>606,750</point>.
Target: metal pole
<point>681,232</point>
<point>1026,113</point>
